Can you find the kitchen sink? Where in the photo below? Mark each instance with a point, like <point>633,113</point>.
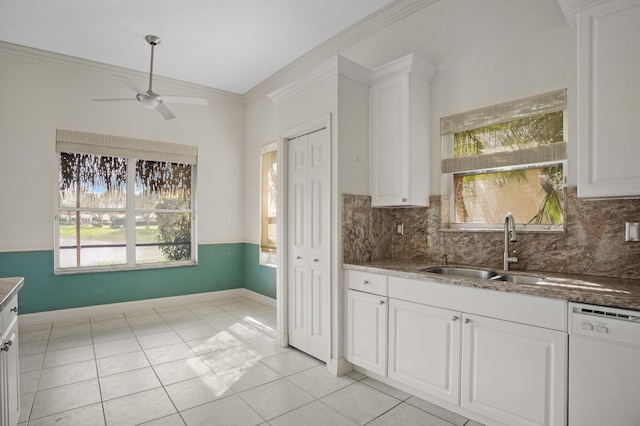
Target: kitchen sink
<point>461,272</point>
<point>519,279</point>
<point>484,274</point>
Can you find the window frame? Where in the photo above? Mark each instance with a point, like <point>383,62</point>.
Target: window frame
<point>501,113</point>
<point>130,205</point>
<point>267,257</point>
<point>521,226</point>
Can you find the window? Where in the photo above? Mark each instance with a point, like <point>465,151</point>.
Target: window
<point>268,209</point>
<point>123,203</point>
<point>507,158</point>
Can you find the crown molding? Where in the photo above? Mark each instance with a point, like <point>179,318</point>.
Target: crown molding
<point>46,58</point>
<point>407,64</point>
<point>570,8</point>
<point>393,12</point>
<point>337,65</point>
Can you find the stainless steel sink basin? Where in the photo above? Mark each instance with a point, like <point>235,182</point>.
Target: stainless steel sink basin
<point>461,272</point>
<point>520,279</point>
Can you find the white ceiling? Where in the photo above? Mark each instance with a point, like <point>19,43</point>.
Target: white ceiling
<point>230,45</point>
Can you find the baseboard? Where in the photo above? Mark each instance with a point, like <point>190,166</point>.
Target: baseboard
<point>338,367</point>
<point>111,308</point>
<point>260,298</point>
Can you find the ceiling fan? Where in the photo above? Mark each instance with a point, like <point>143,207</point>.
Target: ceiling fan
<point>150,99</point>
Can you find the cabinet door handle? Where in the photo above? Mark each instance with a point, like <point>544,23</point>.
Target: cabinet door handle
<point>454,318</point>
<point>315,260</point>
<point>404,200</point>
<point>298,258</point>
<point>467,320</point>
<point>14,309</point>
<point>365,282</point>
<point>7,345</point>
<point>382,302</point>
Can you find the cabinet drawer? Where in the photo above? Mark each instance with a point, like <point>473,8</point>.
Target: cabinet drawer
<point>367,282</point>
<point>10,311</point>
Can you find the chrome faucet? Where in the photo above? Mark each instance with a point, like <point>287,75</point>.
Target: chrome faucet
<point>509,235</point>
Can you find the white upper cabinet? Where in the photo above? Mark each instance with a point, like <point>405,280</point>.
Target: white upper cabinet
<point>608,96</point>
<point>400,129</point>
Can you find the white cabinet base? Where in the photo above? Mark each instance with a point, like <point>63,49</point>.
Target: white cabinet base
<point>424,348</point>
<point>367,331</point>
<point>514,373</point>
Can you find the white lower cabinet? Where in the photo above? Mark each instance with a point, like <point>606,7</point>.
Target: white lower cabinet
<point>424,348</point>
<point>494,365</point>
<point>367,331</point>
<point>514,373</point>
<point>9,371</point>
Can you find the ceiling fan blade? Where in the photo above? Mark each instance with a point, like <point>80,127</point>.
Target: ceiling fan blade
<point>130,84</point>
<point>185,100</point>
<point>114,99</point>
<point>165,112</point>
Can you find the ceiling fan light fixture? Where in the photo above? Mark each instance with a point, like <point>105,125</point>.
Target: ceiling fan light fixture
<point>149,100</point>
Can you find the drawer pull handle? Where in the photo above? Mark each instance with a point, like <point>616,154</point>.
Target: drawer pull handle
<point>404,200</point>
<point>14,309</point>
<point>382,302</point>
<point>454,318</point>
<point>315,260</point>
<point>7,345</point>
<point>365,282</point>
<point>467,320</point>
<point>298,258</point>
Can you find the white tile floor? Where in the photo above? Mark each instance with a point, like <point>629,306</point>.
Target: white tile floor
<point>199,364</point>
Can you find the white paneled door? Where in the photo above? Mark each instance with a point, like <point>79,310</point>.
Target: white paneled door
<point>308,245</point>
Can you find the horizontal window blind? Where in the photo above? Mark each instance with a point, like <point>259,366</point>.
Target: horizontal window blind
<point>502,113</point>
<point>119,146</point>
<point>540,154</point>
<point>498,114</point>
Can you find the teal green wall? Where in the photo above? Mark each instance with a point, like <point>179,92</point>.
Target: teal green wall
<point>258,278</point>
<point>220,267</point>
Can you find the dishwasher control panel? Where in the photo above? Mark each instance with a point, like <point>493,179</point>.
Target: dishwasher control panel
<point>604,323</point>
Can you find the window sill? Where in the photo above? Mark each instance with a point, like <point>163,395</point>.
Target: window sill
<point>268,265</point>
<point>116,268</point>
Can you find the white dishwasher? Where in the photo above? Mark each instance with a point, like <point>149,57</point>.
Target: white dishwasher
<point>604,366</point>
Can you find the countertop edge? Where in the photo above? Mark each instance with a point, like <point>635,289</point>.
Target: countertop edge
<point>612,292</point>
<point>8,288</point>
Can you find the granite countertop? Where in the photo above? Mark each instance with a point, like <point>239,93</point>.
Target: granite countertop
<point>9,287</point>
<point>605,291</point>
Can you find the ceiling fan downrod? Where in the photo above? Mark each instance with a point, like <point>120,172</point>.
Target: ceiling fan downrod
<point>150,99</point>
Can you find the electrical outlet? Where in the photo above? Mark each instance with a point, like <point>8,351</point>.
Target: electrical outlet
<point>400,228</point>
<point>632,232</point>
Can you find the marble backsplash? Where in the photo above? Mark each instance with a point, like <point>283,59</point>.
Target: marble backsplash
<point>592,243</point>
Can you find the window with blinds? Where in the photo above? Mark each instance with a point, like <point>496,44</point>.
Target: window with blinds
<point>507,158</point>
<point>268,197</point>
<point>123,203</point>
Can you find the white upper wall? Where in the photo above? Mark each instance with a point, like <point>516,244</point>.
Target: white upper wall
<point>40,93</point>
<point>486,52</point>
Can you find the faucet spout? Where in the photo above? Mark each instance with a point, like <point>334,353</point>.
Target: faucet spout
<point>509,236</point>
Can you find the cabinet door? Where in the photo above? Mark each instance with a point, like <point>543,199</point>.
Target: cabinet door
<point>390,155</point>
<point>10,374</point>
<point>424,348</point>
<point>514,373</point>
<point>608,92</point>
<point>367,331</point>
